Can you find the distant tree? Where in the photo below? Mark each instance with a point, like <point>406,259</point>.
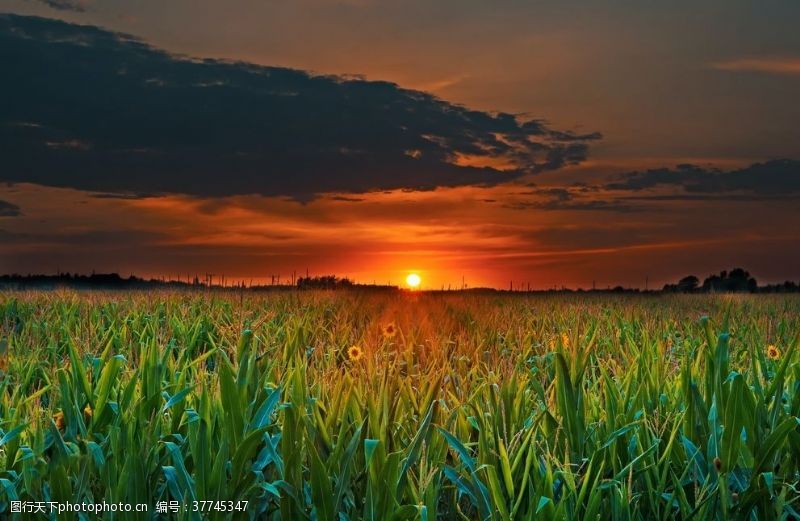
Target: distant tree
<point>738,280</point>
<point>324,282</point>
<point>688,284</point>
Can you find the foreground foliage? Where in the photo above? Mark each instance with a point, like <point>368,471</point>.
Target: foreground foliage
<point>344,405</point>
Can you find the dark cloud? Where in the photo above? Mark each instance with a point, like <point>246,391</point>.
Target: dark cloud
<point>559,198</point>
<point>121,195</point>
<point>102,111</point>
<point>9,210</point>
<point>709,197</point>
<point>593,205</point>
<point>584,187</point>
<point>778,177</point>
<point>347,199</point>
<point>775,180</point>
<point>77,6</point>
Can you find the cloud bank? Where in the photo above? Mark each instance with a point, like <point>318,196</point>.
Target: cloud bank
<point>102,111</point>
<point>779,177</point>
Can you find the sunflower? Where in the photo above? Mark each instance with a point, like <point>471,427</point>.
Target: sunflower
<point>58,419</point>
<point>389,330</point>
<point>773,353</point>
<point>355,353</point>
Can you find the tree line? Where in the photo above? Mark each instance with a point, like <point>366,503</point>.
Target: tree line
<point>737,280</point>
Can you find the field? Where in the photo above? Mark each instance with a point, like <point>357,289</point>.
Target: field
<point>348,405</point>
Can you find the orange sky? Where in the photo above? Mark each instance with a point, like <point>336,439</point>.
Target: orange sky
<point>442,235</point>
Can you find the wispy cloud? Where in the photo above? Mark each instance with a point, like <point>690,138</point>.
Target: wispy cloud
<point>778,177</point>
<point>78,6</point>
<point>568,199</point>
<point>8,209</point>
<point>788,65</point>
<point>562,234</point>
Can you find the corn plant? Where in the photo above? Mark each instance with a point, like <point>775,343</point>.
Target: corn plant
<point>381,406</point>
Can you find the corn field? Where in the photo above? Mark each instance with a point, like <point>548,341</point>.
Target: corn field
<point>393,406</point>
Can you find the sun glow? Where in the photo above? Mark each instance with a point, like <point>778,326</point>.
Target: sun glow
<point>413,280</point>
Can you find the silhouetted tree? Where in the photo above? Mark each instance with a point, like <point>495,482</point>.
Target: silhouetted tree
<point>324,282</point>
<point>688,284</point>
<point>738,280</point>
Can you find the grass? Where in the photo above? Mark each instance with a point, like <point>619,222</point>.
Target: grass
<point>467,407</point>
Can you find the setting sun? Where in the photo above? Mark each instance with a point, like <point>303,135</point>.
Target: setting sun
<point>413,280</point>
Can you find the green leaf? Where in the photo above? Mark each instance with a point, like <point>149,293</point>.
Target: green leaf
<point>176,398</point>
<point>321,488</point>
<point>12,434</point>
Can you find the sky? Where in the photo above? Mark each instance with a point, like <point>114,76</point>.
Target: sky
<point>498,143</point>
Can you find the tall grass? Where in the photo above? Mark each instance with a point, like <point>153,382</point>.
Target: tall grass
<point>469,407</point>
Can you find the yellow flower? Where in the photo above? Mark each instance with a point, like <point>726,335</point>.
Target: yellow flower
<point>389,330</point>
<point>564,340</point>
<point>58,418</point>
<point>87,413</point>
<point>354,353</point>
<point>773,353</point>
